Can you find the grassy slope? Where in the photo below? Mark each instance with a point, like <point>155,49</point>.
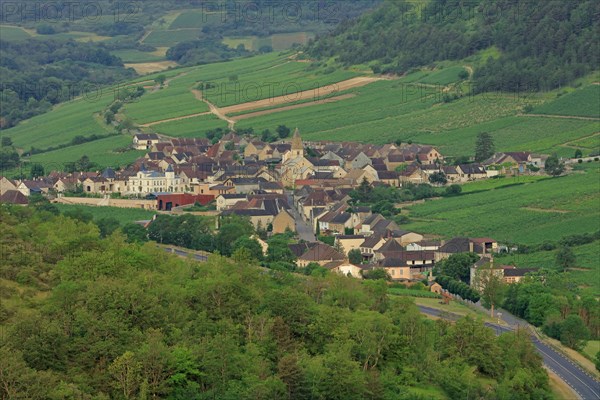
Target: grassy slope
<point>14,33</point>
<point>190,127</point>
<point>503,213</point>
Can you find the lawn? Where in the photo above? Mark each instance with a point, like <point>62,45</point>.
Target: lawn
<point>190,127</point>
<point>13,33</point>
<point>531,213</point>
<point>124,215</point>
<point>591,349</point>
<point>584,102</point>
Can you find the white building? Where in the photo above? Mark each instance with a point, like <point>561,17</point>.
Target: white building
<point>145,182</point>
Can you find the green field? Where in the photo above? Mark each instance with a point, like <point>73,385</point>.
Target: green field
<point>531,213</point>
<point>99,151</point>
<point>582,103</point>
<point>64,122</point>
<point>171,38</point>
<point>124,215</point>
<point>195,19</point>
<point>136,56</point>
<point>443,77</point>
<point>190,127</point>
<point>592,348</point>
<point>8,32</point>
<point>587,263</point>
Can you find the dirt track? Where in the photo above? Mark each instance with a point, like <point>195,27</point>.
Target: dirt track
<point>314,94</point>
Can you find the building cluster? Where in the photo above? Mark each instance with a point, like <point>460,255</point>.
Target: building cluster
<point>292,186</point>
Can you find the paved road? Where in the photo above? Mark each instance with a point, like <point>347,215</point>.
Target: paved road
<point>182,253</point>
<point>304,229</point>
<point>586,386</point>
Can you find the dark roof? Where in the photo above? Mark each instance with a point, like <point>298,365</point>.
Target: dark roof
<point>460,245</point>
<point>391,246</point>
<point>300,248</point>
<point>322,252</point>
<point>341,218</point>
<point>13,197</point>
<point>248,212</point>
<point>472,169</point>
<point>233,196</point>
<point>518,271</point>
<point>371,241</point>
<point>342,237</point>
<point>146,136</point>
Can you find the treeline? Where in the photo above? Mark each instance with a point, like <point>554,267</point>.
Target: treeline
<point>91,318</point>
<point>203,51</point>
<point>36,74</point>
<point>541,44</point>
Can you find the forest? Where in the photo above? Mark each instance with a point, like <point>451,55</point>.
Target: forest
<point>91,315</point>
<point>537,45</point>
<point>38,73</point>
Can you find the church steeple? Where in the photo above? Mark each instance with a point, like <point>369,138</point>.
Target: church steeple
<point>297,146</point>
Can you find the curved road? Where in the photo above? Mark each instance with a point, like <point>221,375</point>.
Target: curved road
<point>586,386</point>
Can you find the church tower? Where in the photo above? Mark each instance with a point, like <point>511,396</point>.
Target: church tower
<point>297,146</point>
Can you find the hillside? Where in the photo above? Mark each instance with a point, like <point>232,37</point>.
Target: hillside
<point>539,44</point>
<point>101,318</point>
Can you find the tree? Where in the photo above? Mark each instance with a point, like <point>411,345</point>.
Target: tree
<point>492,288</point>
<point>458,266</point>
<point>135,233</point>
<point>37,170</point>
<point>107,226</point>
<point>83,164</point>
<point>355,256</point>
<point>283,131</point>
<point>578,153</point>
<point>160,79</point>
<point>573,332</point>
<point>438,178</point>
<point>126,372</point>
<point>565,258</point>
<point>453,190</point>
<point>484,146</point>
<point>254,249</point>
<point>554,166</point>
<point>6,141</point>
<point>377,273</point>
<point>109,117</point>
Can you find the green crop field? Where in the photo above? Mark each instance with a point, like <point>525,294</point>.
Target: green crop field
<point>586,274</point>
<point>443,77</point>
<point>546,209</point>
<point>190,127</point>
<point>8,32</point>
<point>136,56</point>
<point>169,102</point>
<point>195,19</point>
<point>582,103</point>
<point>171,38</point>
<point>123,215</point>
<point>64,122</point>
<point>100,151</point>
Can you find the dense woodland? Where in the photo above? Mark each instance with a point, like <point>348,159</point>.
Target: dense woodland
<point>540,44</point>
<point>37,74</point>
<point>99,318</point>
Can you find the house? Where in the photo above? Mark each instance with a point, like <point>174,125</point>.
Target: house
<point>320,254</point>
<point>413,174</point>
<point>226,201</point>
<point>145,141</point>
<point>29,187</point>
<point>6,185</point>
<point>344,268</point>
<point>260,219</point>
<point>396,269</point>
<point>405,237</point>
<point>14,197</point>
<point>423,245</point>
<point>243,185</point>
<point>471,172</point>
<point>284,221</point>
<point>488,245</point>
<point>370,245</point>
<point>436,288</point>
<point>458,245</point>
<point>166,202</point>
<point>510,160</point>
<point>348,242</point>
<point>508,273</point>
<point>270,187</point>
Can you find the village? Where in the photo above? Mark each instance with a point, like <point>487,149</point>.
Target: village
<point>302,188</point>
